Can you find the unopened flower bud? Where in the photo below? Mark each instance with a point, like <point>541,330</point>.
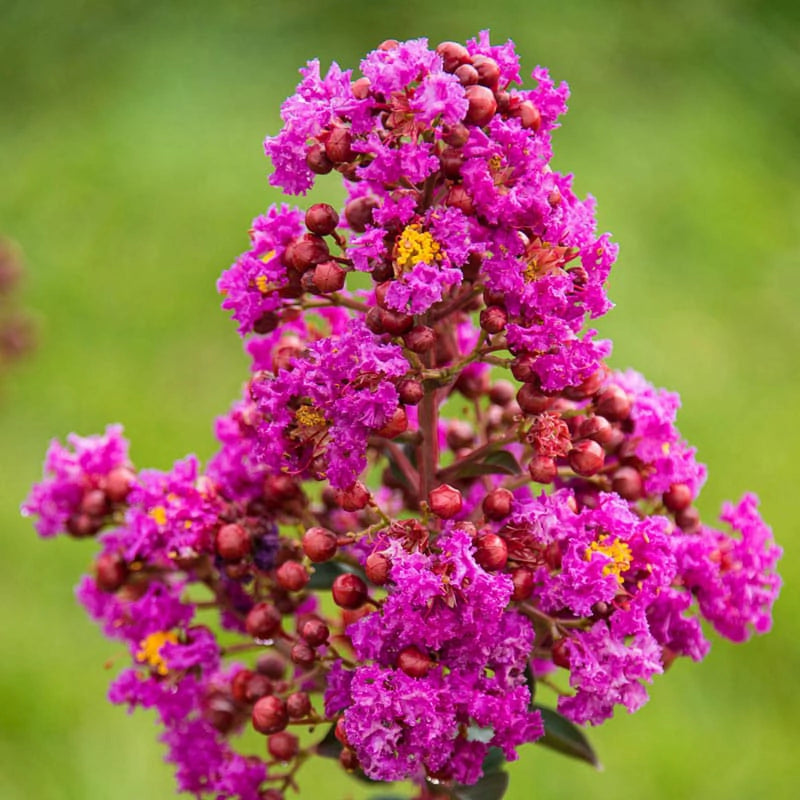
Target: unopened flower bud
<point>482,105</point>
<point>94,503</point>
<point>501,392</point>
<point>118,484</point>
<point>688,519</point>
<point>414,662</point>
<point>613,403</point>
<point>678,497</point>
<point>453,55</point>
<point>627,483</point>
<point>532,401</point>
<point>266,323</point>
<point>396,323</point>
<point>328,277</point>
<point>319,544</point>
<point>315,632</point>
<point>542,469</point>
<point>487,69</point>
<point>522,578</point>
<point>298,705</point>
<point>292,576</point>
<point>374,320</point>
<point>358,213</point>
<point>232,542</point>
<point>377,567</point>
<point>458,196</point>
<point>322,219</point>
<point>586,457</point>
<point>420,339</point>
<point>317,161</point>
<point>396,425</point>
<point>256,687</point>
<point>528,115</point>
<point>269,715</point>
<point>472,383</point>
<point>522,368</point>
<point>445,501</point>
<point>597,428</point>
<point>303,655</point>
<point>360,88</point>
<point>455,135</point>
<point>491,551</point>
<point>410,391</point>
<point>272,665</point>
<point>348,759</point>
<point>305,251</point>
<point>451,160</point>
<point>561,653</point>
<point>263,621</point>
<point>110,571</point>
<point>283,746</point>
<point>349,591</point>
<point>353,499</point>
<point>497,504</point>
<point>493,319</point>
<point>338,145</point>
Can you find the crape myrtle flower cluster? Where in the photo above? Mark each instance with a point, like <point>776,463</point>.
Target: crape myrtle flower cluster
<point>434,496</point>
<point>16,328</point>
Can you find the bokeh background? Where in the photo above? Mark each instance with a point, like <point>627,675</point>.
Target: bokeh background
<point>131,164</point>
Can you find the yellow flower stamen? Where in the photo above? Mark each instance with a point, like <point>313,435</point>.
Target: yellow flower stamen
<point>618,552</point>
<point>309,417</point>
<point>150,648</point>
<point>159,514</point>
<point>262,284</point>
<point>416,246</point>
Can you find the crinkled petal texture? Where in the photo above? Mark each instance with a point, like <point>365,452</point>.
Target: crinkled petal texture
<point>474,696</point>
<point>319,413</point>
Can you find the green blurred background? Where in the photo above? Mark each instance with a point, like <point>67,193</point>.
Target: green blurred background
<point>131,164</point>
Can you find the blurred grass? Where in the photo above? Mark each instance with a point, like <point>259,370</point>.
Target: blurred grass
<point>130,150</point>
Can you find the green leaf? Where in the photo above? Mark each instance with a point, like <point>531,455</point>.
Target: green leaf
<point>326,573</point>
<point>494,761</point>
<point>500,462</point>
<point>329,746</point>
<point>564,736</point>
<point>490,787</point>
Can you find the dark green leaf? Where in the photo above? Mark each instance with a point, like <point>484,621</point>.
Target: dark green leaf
<point>326,573</point>
<point>329,746</point>
<point>501,462</point>
<point>490,787</point>
<point>531,679</point>
<point>495,760</point>
<point>564,736</point>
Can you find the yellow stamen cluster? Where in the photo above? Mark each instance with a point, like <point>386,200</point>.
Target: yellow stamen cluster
<point>262,284</point>
<point>150,647</point>
<point>416,246</point>
<point>309,417</point>
<point>618,552</point>
<point>159,514</point>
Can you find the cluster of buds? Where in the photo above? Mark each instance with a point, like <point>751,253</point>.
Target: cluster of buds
<point>16,331</point>
<point>439,449</point>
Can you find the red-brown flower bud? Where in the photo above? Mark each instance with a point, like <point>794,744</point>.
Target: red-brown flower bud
<point>338,145</point>
<point>542,469</point>
<point>322,219</point>
<point>410,391</point>
<point>528,115</point>
<point>256,686</point>
<point>349,591</point>
<point>269,715</point>
<point>353,499</point>
<point>328,277</point>
<point>501,392</point>
<point>458,196</point>
<point>455,135</point>
<point>298,705</point>
<point>396,323</point>
<point>110,571</point>
<point>420,339</point>
<point>377,567</point>
<point>319,544</point>
<point>263,621</point>
<point>497,504</point>
<point>482,105</point>
<point>487,69</point>
<point>532,401</point>
<point>303,655</point>
<point>272,665</point>
<point>688,519</point>
<point>396,425</point>
<point>627,483</point>
<point>317,161</point>
<point>678,497</point>
<point>360,88</point>
<point>232,542</point>
<point>305,251</point>
<point>586,457</point>
<point>445,501</point>
<point>597,428</point>
<point>283,746</point>
<point>358,213</point>
<point>522,578</point>
<point>414,662</point>
<point>118,484</point>
<point>292,576</point>
<point>491,551</point>
<point>453,55</point>
<point>94,503</point>
<point>451,160</point>
<point>493,319</point>
<point>613,403</point>
<point>561,653</point>
<point>315,632</point>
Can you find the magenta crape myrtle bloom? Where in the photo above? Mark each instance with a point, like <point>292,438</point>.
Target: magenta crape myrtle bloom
<point>429,435</point>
